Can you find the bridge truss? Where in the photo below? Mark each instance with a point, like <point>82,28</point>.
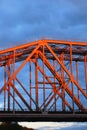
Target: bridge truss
<point>47,76</point>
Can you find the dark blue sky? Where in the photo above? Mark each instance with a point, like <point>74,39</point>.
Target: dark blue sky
<point>22,21</point>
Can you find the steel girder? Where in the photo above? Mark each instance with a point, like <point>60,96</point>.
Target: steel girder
<point>45,75</point>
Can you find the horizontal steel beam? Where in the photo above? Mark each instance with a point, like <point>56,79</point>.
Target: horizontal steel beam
<point>44,116</point>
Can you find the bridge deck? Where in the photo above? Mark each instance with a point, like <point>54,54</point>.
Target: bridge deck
<point>43,116</point>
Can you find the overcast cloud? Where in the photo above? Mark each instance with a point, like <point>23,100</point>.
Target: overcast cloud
<point>55,125</point>
<point>22,21</point>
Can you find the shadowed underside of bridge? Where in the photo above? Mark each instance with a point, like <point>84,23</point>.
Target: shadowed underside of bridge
<point>45,80</point>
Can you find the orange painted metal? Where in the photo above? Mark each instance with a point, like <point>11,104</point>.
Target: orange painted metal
<point>45,75</point>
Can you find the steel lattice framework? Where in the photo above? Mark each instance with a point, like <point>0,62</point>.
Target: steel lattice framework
<point>44,76</point>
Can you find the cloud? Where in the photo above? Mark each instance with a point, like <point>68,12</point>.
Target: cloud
<point>76,126</point>
<point>22,21</point>
<point>55,125</point>
<point>47,125</point>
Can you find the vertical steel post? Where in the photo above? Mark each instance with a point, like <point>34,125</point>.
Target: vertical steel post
<point>5,88</point>
<point>62,74</point>
<point>36,80</point>
<point>85,69</point>
<point>14,83</point>
<point>8,72</point>
<point>77,78</point>
<point>44,109</point>
<point>30,84</point>
<point>71,73</point>
<point>54,64</point>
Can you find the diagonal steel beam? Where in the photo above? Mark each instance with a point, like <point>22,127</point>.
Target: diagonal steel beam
<point>13,76</point>
<point>21,97</point>
<point>54,102</point>
<point>25,90</point>
<point>15,100</point>
<point>66,70</point>
<point>56,90</point>
<point>58,77</point>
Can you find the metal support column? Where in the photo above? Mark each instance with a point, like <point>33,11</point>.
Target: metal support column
<point>54,64</point>
<point>30,82</point>
<point>8,72</point>
<point>85,69</point>
<point>72,74</point>
<point>14,84</point>
<point>5,88</point>
<point>44,109</point>
<point>36,80</point>
<point>62,75</point>
<point>77,78</point>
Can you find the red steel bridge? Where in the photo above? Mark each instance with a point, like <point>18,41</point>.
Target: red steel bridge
<point>45,80</point>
